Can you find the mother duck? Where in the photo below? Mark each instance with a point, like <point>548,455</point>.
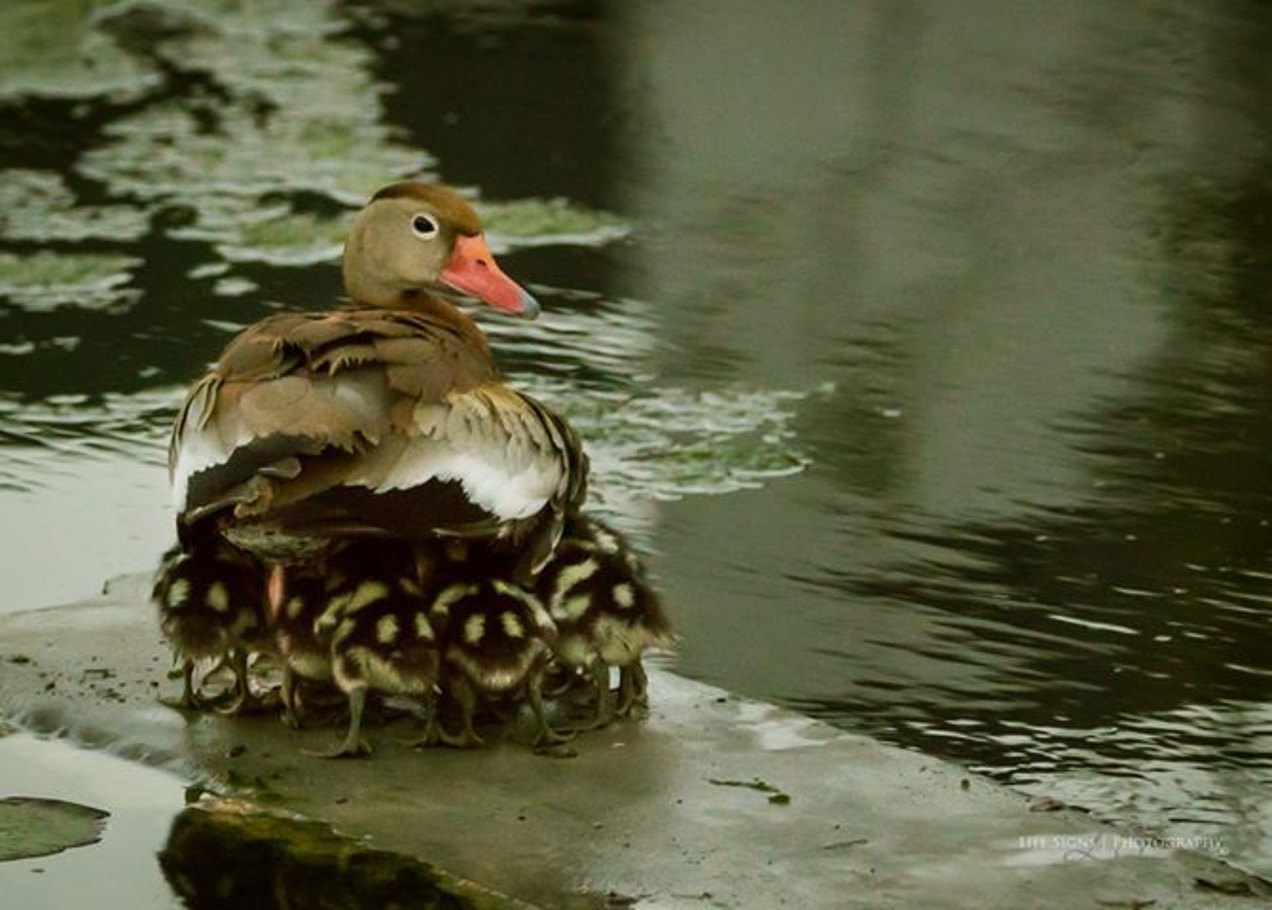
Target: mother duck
<point>385,418</point>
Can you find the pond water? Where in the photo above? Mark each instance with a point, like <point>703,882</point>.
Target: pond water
<point>922,344</point>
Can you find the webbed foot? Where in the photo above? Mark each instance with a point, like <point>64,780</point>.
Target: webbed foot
<point>356,748</point>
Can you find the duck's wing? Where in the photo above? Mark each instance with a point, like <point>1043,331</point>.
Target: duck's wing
<point>371,423</point>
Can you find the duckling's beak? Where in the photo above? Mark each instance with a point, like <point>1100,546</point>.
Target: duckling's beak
<point>472,270</point>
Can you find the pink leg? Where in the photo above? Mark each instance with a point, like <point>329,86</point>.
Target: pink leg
<point>276,588</point>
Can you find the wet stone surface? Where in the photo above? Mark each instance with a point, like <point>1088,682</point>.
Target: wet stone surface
<point>711,795</point>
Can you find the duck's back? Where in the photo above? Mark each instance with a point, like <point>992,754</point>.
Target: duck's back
<point>366,422</point>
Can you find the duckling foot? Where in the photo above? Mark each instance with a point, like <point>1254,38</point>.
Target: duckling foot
<point>354,746</point>
<point>189,700</point>
<point>602,701</point>
<point>633,691</point>
<point>555,744</point>
<point>601,719</point>
<point>357,748</point>
<point>246,703</point>
<point>550,736</point>
<point>465,739</point>
<point>184,702</point>
<point>432,733</point>
<point>546,736</point>
<point>228,702</point>
<point>465,696</point>
<point>241,700</point>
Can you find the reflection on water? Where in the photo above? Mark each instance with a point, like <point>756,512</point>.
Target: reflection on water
<point>962,329</point>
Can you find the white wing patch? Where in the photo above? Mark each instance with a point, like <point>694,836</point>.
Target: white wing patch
<point>197,450</point>
<point>504,460</point>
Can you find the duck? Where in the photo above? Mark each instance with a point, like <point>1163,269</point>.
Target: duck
<point>210,599</point>
<point>384,418</point>
<point>606,612</point>
<point>495,640</point>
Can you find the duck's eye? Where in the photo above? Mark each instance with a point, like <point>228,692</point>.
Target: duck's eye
<point>424,226</point>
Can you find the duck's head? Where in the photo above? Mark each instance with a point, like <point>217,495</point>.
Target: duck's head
<point>415,237</point>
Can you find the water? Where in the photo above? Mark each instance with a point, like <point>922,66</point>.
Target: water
<point>922,343</point>
<point>117,873</point>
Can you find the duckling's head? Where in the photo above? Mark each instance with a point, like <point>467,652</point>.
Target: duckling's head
<point>415,237</point>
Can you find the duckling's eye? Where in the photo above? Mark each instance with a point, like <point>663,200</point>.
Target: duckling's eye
<point>424,226</point>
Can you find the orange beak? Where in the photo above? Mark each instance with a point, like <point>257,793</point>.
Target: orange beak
<point>473,271</point>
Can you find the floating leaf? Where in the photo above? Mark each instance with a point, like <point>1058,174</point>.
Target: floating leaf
<point>31,826</point>
<point>38,206</point>
<point>47,49</point>
<point>531,222</point>
<point>45,281</point>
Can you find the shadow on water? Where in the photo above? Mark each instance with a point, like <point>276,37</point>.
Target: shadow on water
<point>931,359</point>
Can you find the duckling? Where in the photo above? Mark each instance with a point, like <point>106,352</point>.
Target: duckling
<point>211,602</point>
<point>606,612</point>
<point>382,640</point>
<point>357,620</point>
<point>496,639</point>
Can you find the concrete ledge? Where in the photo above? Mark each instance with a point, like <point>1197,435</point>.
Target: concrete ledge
<point>713,801</point>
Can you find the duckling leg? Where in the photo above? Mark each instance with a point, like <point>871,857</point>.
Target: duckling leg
<point>545,736</point>
<point>240,695</point>
<point>287,694</point>
<point>189,699</point>
<point>605,708</point>
<point>633,688</point>
<point>466,696</point>
<point>599,683</point>
<point>432,725</point>
<point>189,695</point>
<point>354,745</point>
<point>558,680</point>
<point>276,589</point>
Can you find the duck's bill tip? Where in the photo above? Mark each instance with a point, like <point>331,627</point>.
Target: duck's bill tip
<point>506,296</point>
<point>529,308</point>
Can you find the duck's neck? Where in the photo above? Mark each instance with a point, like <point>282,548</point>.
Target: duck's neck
<point>441,310</point>
<point>438,310</point>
